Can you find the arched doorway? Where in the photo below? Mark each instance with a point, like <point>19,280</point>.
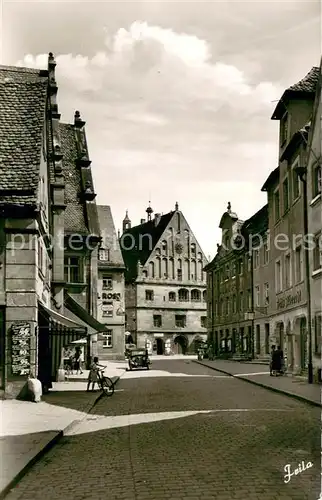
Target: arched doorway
<point>180,344</point>
<point>160,346</point>
<point>197,342</point>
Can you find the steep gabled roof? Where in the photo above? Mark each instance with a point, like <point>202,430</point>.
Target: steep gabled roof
<point>80,215</point>
<point>271,179</point>
<point>108,235</point>
<point>305,87</point>
<point>138,243</point>
<point>23,95</point>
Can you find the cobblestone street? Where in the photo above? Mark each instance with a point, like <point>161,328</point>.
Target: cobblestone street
<point>231,440</point>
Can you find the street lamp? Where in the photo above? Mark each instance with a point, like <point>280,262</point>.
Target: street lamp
<point>302,172</point>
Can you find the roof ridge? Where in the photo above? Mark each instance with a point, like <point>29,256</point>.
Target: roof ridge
<point>20,69</point>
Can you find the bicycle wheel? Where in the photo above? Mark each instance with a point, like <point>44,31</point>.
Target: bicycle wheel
<point>108,386</point>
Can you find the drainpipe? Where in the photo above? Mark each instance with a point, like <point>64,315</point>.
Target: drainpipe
<point>302,172</point>
<point>252,295</point>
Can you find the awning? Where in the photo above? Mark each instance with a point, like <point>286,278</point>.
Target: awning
<point>59,318</point>
<point>77,313</point>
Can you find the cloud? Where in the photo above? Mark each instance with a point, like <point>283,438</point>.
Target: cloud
<point>159,110</point>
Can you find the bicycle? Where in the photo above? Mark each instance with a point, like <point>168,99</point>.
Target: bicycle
<point>105,383</point>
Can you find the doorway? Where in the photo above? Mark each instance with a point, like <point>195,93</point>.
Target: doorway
<point>160,346</point>
<point>181,344</point>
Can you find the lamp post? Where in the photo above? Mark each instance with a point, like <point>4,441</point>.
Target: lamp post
<point>302,173</point>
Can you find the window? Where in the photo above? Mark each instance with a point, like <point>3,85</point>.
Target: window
<point>234,304</point>
<point>256,258</point>
<point>285,195</point>
<point>227,306</point>
<point>149,295</point>
<point>284,129</point>
<point>183,295</point>
<point>195,295</point>
<point>258,339</point>
<point>104,254</point>
<point>266,253</point>
<point>107,283</point>
<point>317,180</point>
<point>180,321</point>
<point>179,274</point>
<point>40,256</point>
<point>278,276</point>
<point>164,246</point>
<point>193,249</point>
<point>72,268</point>
<point>227,272</point>
<point>249,296</point>
<point>108,340</point>
<point>296,182</point>
<point>172,296</point>
<point>266,294</point>
<point>267,338</point>
<point>203,321</point>
<point>277,205</point>
<point>157,320</point>
<point>107,309</point>
<point>257,296</point>
<point>241,301</point>
<point>317,251</point>
<point>317,334</point>
<point>299,264</point>
<point>233,274</point>
<point>241,266</point>
<point>204,295</point>
<point>288,271</point>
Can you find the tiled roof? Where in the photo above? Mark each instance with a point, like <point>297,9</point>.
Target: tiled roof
<point>108,234</point>
<point>257,223</point>
<point>23,94</point>
<point>271,179</point>
<point>308,83</point>
<point>136,247</point>
<point>75,221</point>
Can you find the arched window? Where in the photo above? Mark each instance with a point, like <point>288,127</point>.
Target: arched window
<point>158,267</point>
<point>172,269</point>
<point>186,271</point>
<point>199,256</point>
<point>204,295</point>
<point>200,270</point>
<point>164,268</point>
<point>193,249</point>
<point>145,273</point>
<point>179,270</point>
<point>194,270</point>
<point>172,296</point>
<point>157,251</point>
<point>164,247</point>
<point>151,266</point>
<point>183,295</point>
<point>195,295</point>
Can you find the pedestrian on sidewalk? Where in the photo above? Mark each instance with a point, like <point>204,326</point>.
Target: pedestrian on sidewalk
<point>93,373</point>
<point>77,361</point>
<point>276,365</point>
<point>282,362</point>
<point>271,362</point>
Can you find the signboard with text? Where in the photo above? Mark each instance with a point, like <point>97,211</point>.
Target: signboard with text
<point>20,348</point>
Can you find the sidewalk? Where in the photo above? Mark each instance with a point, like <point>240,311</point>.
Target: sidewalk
<point>296,387</point>
<point>28,430</point>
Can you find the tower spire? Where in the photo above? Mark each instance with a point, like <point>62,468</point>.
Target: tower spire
<point>126,221</point>
<point>149,211</point>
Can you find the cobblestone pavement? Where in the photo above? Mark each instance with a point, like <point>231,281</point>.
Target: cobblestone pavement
<point>220,455</point>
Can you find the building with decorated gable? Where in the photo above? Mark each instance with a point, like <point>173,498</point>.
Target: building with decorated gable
<point>110,289</point>
<point>287,206</point>
<point>49,230</point>
<point>165,285</point>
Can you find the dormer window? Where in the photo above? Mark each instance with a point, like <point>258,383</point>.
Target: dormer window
<point>284,129</point>
<point>104,254</point>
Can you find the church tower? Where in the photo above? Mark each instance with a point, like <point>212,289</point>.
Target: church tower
<point>126,222</point>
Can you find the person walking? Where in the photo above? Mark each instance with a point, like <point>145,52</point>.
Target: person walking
<point>271,361</point>
<point>77,361</point>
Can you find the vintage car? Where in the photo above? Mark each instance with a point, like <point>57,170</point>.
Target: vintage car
<point>138,358</point>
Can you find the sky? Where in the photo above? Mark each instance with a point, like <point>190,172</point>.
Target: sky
<point>177,96</point>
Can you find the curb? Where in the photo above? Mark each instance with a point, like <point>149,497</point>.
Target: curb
<point>55,440</point>
<point>259,384</point>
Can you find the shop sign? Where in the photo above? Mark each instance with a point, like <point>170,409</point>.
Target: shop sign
<point>111,296</point>
<point>20,348</point>
<point>158,335</point>
<point>289,300</point>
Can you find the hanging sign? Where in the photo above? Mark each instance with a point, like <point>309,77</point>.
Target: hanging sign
<point>20,348</point>
<point>111,296</point>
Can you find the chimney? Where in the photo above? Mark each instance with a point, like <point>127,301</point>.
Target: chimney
<point>142,221</point>
<point>157,219</point>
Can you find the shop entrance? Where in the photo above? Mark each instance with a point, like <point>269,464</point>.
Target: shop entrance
<point>160,346</point>
<point>181,344</point>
